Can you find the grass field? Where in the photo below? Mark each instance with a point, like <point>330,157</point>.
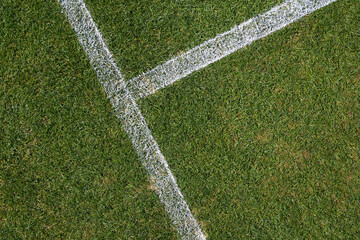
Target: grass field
<point>68,170</point>
<point>263,143</point>
<point>142,34</point>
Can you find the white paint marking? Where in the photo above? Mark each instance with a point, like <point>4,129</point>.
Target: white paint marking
<point>222,45</point>
<point>128,112</point>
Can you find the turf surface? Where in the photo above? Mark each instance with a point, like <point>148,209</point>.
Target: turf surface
<point>265,143</point>
<point>142,34</point>
<point>67,169</point>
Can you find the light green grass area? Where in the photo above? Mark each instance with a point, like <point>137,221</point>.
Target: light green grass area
<point>265,144</point>
<point>144,33</point>
<point>67,169</point>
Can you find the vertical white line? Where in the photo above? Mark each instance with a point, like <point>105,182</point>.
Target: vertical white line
<point>128,112</point>
<point>222,45</point>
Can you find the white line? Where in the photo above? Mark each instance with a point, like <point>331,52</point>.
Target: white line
<point>128,112</point>
<point>222,45</point>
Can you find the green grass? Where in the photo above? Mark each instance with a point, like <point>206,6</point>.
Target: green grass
<point>144,33</point>
<point>265,143</point>
<point>67,169</point>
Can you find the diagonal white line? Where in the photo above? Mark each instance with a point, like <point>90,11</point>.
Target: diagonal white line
<point>222,45</point>
<point>128,112</point>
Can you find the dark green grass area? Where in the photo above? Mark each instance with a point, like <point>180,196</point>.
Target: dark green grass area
<point>144,33</point>
<point>265,144</point>
<point>67,169</point>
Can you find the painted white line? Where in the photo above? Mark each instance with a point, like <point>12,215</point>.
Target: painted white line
<point>222,45</point>
<point>128,112</point>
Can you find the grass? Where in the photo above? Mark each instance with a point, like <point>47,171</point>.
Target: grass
<point>143,34</point>
<point>67,169</point>
<point>264,143</point>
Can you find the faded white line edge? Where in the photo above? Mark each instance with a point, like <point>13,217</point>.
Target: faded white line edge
<point>134,124</point>
<point>222,45</point>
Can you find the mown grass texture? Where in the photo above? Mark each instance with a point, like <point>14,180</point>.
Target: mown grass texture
<point>142,34</point>
<point>67,169</point>
<point>265,143</point>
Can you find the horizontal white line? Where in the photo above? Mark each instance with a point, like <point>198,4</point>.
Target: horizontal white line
<point>222,45</point>
<point>128,112</point>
